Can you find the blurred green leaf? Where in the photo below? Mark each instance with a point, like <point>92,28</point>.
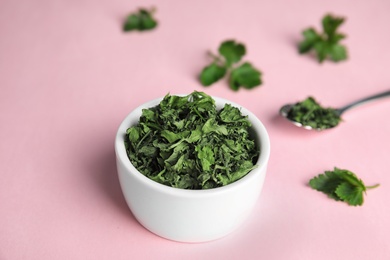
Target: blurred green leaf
<point>245,76</point>
<point>326,44</point>
<point>212,74</point>
<point>142,20</point>
<point>232,51</point>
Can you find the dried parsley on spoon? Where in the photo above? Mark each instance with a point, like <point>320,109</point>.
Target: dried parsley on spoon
<point>310,114</point>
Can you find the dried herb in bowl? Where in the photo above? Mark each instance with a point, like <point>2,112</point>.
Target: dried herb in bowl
<point>186,142</point>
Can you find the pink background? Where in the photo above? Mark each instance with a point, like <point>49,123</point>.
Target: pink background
<point>69,75</point>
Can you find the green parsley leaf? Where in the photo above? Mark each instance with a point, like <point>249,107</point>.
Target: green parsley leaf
<point>240,75</point>
<point>311,37</point>
<point>326,45</point>
<point>244,76</point>
<point>341,185</point>
<point>322,49</point>
<point>330,25</point>
<point>310,113</point>
<point>185,142</point>
<point>212,74</point>
<point>232,51</point>
<point>142,20</point>
<point>338,52</point>
<point>353,195</point>
<point>327,183</point>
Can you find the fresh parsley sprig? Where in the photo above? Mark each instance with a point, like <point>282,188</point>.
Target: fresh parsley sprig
<point>240,75</point>
<point>341,185</point>
<point>142,20</point>
<point>326,45</point>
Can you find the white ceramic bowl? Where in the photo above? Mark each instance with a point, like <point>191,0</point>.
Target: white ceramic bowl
<point>190,215</point>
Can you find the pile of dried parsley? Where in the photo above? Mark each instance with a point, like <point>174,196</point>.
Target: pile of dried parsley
<point>310,113</point>
<point>185,142</point>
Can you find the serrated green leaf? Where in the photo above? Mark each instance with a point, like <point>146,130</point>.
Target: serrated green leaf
<point>349,177</point>
<point>327,183</point>
<point>341,185</point>
<point>232,51</point>
<point>212,74</point>
<point>245,76</point>
<point>349,193</point>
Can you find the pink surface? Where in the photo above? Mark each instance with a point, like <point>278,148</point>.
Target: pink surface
<point>68,76</point>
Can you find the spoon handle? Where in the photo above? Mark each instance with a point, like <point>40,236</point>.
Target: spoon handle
<point>364,100</point>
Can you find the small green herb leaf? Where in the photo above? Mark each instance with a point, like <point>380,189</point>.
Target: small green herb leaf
<point>241,75</point>
<point>327,183</point>
<point>338,52</point>
<point>330,24</point>
<point>212,74</point>
<point>142,20</point>
<point>350,193</point>
<point>245,76</point>
<point>326,45</point>
<point>322,49</point>
<point>311,37</point>
<point>341,185</point>
<point>232,51</point>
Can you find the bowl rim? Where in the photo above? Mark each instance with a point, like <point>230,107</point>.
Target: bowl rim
<point>135,114</point>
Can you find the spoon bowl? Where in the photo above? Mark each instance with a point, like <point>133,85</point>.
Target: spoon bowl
<point>285,110</point>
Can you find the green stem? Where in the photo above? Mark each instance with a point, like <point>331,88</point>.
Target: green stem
<point>373,186</point>
<point>142,139</point>
<point>216,58</point>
